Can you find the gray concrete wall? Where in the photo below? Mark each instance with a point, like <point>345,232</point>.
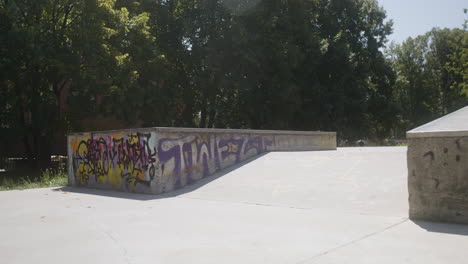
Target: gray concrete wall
<point>157,160</point>
<point>438,177</point>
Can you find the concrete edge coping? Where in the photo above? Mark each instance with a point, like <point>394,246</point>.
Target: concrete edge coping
<point>451,125</point>
<point>211,130</point>
<point>436,134</point>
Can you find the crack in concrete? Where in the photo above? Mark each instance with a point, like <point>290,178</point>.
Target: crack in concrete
<point>102,229</point>
<point>311,259</point>
<point>122,248</point>
<point>288,207</point>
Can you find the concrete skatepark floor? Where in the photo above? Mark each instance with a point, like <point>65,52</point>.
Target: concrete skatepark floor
<point>344,206</point>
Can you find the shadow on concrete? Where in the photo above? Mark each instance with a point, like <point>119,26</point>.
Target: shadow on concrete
<point>446,228</point>
<point>146,197</point>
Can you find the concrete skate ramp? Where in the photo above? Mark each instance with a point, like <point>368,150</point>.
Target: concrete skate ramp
<point>366,180</point>
<point>438,169</point>
<point>454,124</point>
<point>158,160</point>
<point>321,207</point>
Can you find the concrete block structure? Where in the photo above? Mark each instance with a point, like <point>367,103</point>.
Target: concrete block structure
<point>158,160</point>
<point>438,169</point>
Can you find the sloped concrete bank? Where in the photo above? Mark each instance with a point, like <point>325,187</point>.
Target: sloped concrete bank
<point>158,160</point>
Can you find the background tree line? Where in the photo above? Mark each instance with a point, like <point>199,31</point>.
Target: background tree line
<point>276,64</point>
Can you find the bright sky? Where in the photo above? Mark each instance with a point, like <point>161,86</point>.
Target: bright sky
<point>415,17</point>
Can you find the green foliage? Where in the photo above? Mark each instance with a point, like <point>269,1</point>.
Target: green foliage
<point>63,61</point>
<point>278,64</point>
<point>49,177</point>
<point>297,64</point>
<point>432,76</point>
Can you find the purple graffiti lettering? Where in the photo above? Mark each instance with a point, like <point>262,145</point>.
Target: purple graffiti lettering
<point>195,155</point>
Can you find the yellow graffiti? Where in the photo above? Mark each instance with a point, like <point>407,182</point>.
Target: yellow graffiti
<point>109,159</point>
<point>232,148</point>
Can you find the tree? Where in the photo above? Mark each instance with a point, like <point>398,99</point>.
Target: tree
<point>431,74</point>
<point>53,50</point>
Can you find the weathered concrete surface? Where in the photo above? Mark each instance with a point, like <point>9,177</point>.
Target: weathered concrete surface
<point>438,179</point>
<point>438,169</point>
<point>158,160</point>
<point>345,206</point>
<point>452,125</point>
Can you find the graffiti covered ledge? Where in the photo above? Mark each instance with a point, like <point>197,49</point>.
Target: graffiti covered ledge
<point>158,160</point>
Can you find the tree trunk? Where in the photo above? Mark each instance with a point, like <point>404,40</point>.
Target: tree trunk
<point>212,112</point>
<point>45,151</point>
<point>203,113</point>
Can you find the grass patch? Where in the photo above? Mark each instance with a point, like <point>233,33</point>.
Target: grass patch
<point>20,179</point>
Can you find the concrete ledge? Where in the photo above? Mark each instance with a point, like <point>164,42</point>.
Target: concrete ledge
<point>452,125</point>
<point>437,134</point>
<point>438,179</point>
<point>161,159</point>
<point>438,169</point>
<point>214,130</point>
